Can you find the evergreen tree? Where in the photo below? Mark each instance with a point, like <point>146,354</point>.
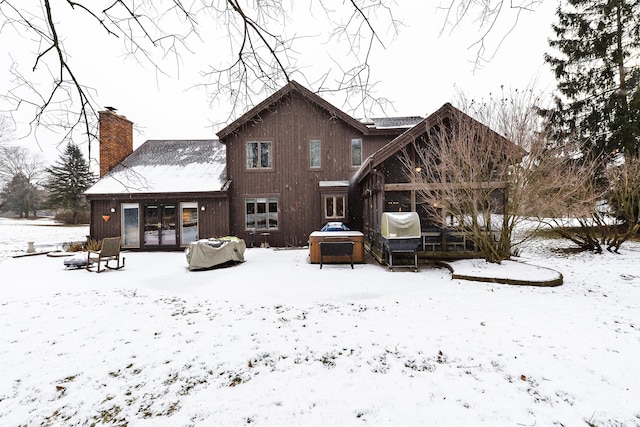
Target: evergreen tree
<point>68,179</point>
<point>20,195</point>
<point>598,74</point>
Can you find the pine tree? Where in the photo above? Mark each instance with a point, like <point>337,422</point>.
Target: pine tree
<point>68,179</point>
<point>598,75</point>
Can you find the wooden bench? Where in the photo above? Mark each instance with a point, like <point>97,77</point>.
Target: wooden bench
<point>336,249</point>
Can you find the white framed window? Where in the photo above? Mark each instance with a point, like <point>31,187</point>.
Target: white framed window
<point>130,225</point>
<point>259,155</point>
<point>334,207</point>
<point>315,154</point>
<point>188,222</point>
<point>356,152</point>
<point>261,213</point>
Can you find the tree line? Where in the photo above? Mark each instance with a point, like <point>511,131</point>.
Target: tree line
<point>27,185</point>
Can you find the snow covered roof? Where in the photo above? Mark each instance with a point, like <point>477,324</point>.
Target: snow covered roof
<point>167,166</point>
<point>391,122</point>
<point>333,184</point>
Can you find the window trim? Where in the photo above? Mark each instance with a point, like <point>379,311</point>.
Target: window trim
<point>334,196</point>
<point>268,201</point>
<point>259,167</point>
<point>353,165</point>
<point>123,208</point>
<point>189,205</point>
<point>311,166</point>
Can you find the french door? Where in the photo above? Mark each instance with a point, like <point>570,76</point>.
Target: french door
<point>160,225</point>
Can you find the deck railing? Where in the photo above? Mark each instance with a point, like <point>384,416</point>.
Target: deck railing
<point>447,241</point>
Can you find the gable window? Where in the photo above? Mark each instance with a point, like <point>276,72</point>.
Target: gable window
<point>334,207</point>
<point>315,153</point>
<point>259,155</point>
<point>356,152</point>
<point>261,213</point>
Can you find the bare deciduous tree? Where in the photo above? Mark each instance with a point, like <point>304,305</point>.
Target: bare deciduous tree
<point>498,18</point>
<point>20,170</point>
<point>490,184</point>
<point>6,129</point>
<point>624,201</point>
<point>261,51</point>
<point>18,160</point>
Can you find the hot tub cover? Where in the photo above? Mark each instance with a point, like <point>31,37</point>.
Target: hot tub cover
<point>208,253</point>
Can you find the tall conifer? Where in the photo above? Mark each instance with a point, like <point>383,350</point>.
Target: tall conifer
<point>597,67</point>
<point>68,179</point>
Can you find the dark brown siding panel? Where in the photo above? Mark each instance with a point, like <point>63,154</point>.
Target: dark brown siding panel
<point>289,124</point>
<point>213,221</point>
<point>100,228</point>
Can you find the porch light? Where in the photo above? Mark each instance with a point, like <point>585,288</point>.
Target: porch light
<point>202,208</point>
<point>418,169</point>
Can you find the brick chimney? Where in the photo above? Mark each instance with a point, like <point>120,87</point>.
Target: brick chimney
<point>116,139</point>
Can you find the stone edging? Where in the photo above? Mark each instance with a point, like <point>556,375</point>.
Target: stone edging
<point>505,281</point>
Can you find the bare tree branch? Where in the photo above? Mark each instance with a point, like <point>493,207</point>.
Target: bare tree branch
<point>489,17</point>
<point>262,55</point>
<point>488,185</point>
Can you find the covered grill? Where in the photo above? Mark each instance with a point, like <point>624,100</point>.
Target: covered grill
<point>209,253</point>
<point>400,232</point>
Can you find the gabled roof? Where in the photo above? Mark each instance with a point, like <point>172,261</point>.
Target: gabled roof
<point>290,87</point>
<point>167,166</point>
<point>388,150</point>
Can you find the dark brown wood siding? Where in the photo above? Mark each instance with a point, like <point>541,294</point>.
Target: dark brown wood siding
<point>213,221</point>
<point>99,228</point>
<point>289,124</point>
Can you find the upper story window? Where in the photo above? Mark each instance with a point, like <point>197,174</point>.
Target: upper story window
<point>356,152</point>
<point>315,157</point>
<point>259,155</point>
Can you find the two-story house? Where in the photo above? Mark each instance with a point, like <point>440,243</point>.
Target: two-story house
<point>291,161</point>
<point>277,173</point>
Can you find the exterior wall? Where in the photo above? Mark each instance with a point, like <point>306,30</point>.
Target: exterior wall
<point>213,221</point>
<point>290,124</point>
<point>372,196</point>
<point>373,143</point>
<point>99,228</point>
<point>116,140</point>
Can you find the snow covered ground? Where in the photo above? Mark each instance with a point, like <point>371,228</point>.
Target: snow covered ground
<point>276,341</point>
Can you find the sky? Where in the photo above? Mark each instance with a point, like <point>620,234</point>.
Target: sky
<point>277,341</point>
<point>418,71</point>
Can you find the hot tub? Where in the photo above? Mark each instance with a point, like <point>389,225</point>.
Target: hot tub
<point>322,236</point>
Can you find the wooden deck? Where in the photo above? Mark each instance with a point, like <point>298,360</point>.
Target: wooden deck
<point>436,245</point>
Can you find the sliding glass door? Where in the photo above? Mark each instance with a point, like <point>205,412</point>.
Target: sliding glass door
<point>130,225</point>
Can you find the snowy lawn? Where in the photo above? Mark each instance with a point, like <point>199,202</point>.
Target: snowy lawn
<point>276,341</point>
